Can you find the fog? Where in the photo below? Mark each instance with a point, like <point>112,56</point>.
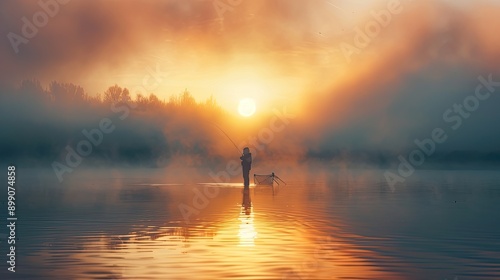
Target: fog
<point>357,104</point>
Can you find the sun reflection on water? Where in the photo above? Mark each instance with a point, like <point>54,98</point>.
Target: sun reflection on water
<point>247,232</point>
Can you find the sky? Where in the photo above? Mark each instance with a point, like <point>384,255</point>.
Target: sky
<point>358,74</point>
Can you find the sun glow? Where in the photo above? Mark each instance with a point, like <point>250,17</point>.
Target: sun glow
<point>247,107</point>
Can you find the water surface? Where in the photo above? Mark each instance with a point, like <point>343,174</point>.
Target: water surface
<point>333,224</point>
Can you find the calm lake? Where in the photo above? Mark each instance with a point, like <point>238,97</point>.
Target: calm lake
<point>326,224</point>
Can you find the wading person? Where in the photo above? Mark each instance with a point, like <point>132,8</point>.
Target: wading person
<point>246,164</point>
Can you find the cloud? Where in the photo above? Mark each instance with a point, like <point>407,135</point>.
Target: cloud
<point>398,87</point>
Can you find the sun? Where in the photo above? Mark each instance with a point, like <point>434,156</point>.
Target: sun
<point>246,108</point>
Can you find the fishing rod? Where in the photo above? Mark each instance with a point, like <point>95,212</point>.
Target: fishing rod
<point>236,146</point>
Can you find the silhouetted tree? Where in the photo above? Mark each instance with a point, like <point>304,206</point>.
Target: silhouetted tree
<point>65,94</point>
<point>116,94</point>
<point>54,118</point>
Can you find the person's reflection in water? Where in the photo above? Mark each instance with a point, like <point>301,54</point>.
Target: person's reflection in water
<point>247,232</point>
<point>246,204</point>
<point>246,164</point>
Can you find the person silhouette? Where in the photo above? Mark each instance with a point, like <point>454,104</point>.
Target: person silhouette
<point>246,164</point>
